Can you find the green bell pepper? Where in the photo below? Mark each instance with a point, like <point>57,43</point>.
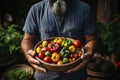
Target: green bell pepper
<point>66,43</point>
<point>64,52</point>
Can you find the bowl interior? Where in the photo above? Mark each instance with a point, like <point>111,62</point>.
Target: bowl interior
<point>57,67</point>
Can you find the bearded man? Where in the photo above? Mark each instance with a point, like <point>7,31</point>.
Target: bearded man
<point>59,18</point>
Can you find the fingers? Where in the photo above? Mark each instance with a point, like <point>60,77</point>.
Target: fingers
<point>34,62</point>
<point>81,65</point>
<point>30,56</point>
<point>71,70</point>
<point>31,52</point>
<point>40,69</point>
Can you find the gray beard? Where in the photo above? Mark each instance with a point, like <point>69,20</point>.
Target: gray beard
<point>59,7</point>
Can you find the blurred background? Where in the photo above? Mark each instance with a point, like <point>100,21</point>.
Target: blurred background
<point>103,9</point>
<point>15,12</point>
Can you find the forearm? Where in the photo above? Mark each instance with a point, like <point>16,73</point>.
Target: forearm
<point>91,41</point>
<point>90,46</point>
<point>26,45</point>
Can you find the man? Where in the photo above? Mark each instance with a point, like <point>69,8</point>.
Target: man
<point>65,18</point>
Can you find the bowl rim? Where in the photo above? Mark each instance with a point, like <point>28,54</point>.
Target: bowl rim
<point>100,74</point>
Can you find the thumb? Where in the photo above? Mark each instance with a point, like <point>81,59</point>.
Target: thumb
<point>31,52</point>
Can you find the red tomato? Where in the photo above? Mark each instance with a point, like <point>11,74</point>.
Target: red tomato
<point>41,55</point>
<point>47,59</point>
<point>44,49</point>
<point>80,54</point>
<point>77,43</point>
<point>71,55</point>
<point>73,59</point>
<point>70,60</point>
<point>75,56</point>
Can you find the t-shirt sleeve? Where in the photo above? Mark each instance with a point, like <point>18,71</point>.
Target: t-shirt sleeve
<point>90,25</point>
<point>30,25</point>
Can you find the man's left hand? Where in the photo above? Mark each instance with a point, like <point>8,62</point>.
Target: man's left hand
<point>85,57</point>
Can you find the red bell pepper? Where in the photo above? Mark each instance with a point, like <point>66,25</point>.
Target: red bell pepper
<point>53,46</point>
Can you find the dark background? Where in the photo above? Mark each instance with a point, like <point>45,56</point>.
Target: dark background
<point>19,8</point>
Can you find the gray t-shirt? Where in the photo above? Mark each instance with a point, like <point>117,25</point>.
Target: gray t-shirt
<point>78,21</point>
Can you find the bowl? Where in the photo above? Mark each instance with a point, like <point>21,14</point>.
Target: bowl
<point>18,72</point>
<point>56,67</point>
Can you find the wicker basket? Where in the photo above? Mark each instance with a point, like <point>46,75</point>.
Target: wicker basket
<point>100,74</point>
<point>56,67</point>
<point>95,74</point>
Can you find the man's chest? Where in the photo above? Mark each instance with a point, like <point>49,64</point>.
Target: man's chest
<point>51,25</point>
<point>66,23</point>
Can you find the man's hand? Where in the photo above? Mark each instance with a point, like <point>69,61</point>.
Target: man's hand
<point>33,62</point>
<point>85,57</point>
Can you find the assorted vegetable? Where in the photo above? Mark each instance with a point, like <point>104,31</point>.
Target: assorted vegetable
<point>55,57</point>
<point>59,50</point>
<point>66,43</point>
<point>54,46</point>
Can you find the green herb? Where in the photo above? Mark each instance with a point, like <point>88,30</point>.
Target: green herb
<point>17,74</point>
<point>10,39</point>
<point>110,35</point>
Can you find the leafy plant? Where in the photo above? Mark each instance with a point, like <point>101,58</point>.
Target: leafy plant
<point>110,35</point>
<point>17,74</point>
<point>10,39</point>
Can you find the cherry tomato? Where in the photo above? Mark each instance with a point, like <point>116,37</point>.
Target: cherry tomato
<point>70,60</point>
<point>73,59</point>
<point>44,49</point>
<point>41,55</point>
<point>48,53</point>
<point>38,49</point>
<point>79,55</point>
<point>71,55</point>
<point>77,43</point>
<point>60,62</point>
<point>44,43</point>
<point>47,59</point>
<point>75,56</point>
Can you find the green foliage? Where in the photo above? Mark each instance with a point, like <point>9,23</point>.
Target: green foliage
<point>10,39</point>
<point>17,74</point>
<point>110,35</point>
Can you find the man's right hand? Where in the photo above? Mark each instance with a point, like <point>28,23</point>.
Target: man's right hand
<point>33,62</point>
